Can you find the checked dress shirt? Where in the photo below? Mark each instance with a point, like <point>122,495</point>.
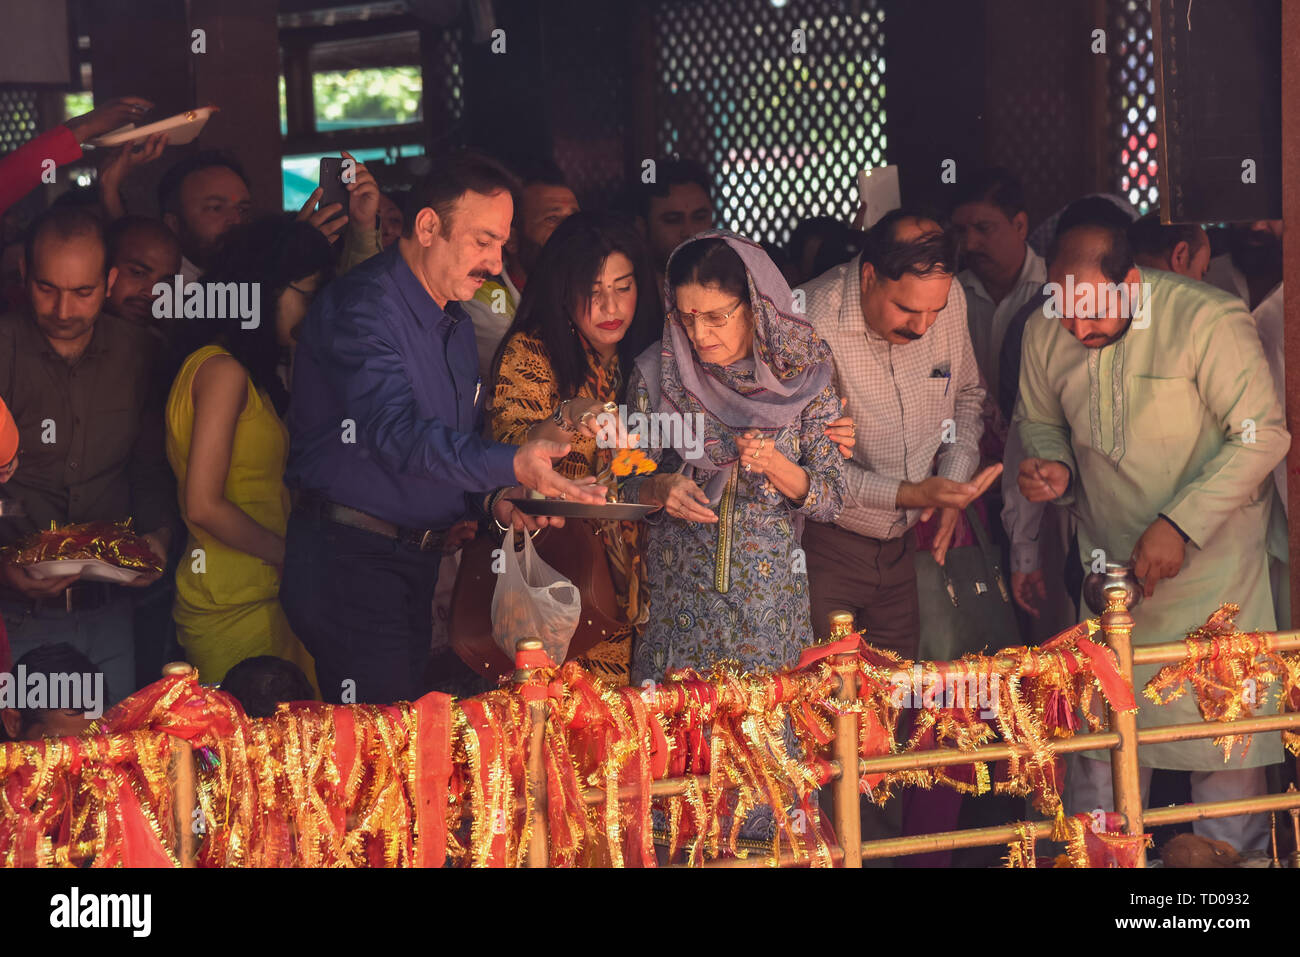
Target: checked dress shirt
<point>908,402</point>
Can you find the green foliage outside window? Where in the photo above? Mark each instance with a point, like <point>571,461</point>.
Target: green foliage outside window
<point>75,104</point>
<point>368,97</point>
<point>374,97</point>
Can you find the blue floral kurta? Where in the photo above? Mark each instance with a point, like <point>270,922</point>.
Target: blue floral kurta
<point>751,607</point>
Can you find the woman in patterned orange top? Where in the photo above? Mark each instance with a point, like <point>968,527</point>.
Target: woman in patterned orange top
<point>589,308</point>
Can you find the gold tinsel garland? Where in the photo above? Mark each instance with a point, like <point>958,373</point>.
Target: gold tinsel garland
<point>416,783</point>
<point>1228,671</point>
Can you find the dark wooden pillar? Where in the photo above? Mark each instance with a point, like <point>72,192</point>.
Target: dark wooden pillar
<point>643,139</point>
<point>145,47</point>
<point>935,108</point>
<point>505,93</point>
<point>1291,277</point>
<point>240,73</point>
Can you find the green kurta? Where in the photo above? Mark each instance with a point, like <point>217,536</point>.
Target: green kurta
<point>1177,418</point>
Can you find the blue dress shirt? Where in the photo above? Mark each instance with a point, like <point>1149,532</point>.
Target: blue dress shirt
<point>380,364</point>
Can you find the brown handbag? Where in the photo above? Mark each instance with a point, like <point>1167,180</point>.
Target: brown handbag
<point>576,550</point>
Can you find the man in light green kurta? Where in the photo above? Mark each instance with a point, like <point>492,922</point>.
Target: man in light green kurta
<point>1160,432</point>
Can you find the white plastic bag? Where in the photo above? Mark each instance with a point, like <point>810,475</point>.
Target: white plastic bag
<point>533,600</point>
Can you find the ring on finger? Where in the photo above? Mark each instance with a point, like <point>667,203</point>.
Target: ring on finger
<point>755,453</point>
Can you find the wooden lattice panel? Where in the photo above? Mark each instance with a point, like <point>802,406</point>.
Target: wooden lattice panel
<point>1132,101</point>
<point>18,118</point>
<point>782,132</point>
<point>446,84</point>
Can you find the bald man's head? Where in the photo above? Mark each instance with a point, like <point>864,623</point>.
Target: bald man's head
<point>1091,248</point>
<point>1093,283</point>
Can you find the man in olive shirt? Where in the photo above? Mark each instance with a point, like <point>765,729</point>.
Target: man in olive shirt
<point>77,381</point>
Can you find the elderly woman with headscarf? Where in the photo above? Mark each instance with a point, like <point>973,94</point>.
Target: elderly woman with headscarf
<point>726,578</point>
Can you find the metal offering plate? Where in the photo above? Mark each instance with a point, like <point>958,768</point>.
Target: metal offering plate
<point>610,511</point>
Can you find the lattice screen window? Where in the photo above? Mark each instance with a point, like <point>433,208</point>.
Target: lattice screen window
<point>783,133</point>
<point>448,86</point>
<point>18,118</point>
<point>1132,81</point>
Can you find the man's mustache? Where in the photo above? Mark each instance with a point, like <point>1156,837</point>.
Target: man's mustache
<point>908,333</point>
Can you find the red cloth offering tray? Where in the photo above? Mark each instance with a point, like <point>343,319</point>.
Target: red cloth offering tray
<point>113,543</point>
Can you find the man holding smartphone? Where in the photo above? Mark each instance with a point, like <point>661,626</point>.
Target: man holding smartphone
<point>207,193</point>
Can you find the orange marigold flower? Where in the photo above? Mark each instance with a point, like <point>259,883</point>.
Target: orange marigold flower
<point>629,461</point>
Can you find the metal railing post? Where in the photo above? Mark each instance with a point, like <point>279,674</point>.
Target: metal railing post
<point>846,810</point>
<point>181,773</point>
<point>535,772</point>
<point>846,807</point>
<point>1117,623</point>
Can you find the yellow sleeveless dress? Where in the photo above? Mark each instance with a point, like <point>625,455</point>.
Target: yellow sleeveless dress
<point>227,604</point>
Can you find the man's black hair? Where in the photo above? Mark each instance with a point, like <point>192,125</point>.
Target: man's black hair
<point>59,658</point>
<point>64,222</point>
<point>838,243</point>
<point>670,173</point>
<point>996,185</point>
<point>264,681</point>
<point>120,228</point>
<point>892,258</point>
<point>169,188</point>
<point>1149,237</point>
<point>450,178</point>
<point>537,171</point>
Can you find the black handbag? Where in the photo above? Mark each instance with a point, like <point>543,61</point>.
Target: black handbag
<point>966,602</point>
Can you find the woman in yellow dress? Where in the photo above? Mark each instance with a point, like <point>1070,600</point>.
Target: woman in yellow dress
<point>589,308</point>
<point>228,447</point>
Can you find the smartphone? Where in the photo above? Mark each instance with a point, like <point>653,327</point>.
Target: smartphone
<point>331,181</point>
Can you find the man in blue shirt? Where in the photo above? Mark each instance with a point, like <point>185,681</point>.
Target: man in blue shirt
<point>386,451</point>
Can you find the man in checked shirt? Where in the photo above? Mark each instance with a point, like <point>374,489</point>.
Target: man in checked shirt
<point>896,324</point>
